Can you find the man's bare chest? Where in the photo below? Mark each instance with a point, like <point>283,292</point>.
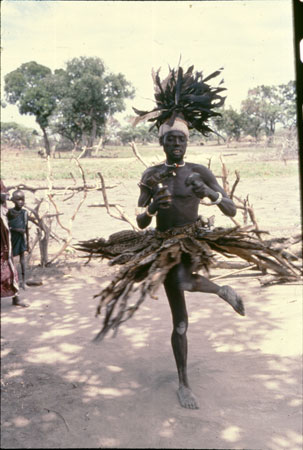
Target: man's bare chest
<point>176,184</point>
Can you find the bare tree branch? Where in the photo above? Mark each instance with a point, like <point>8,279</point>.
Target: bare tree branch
<point>235,184</point>
<point>103,188</point>
<point>33,189</point>
<point>122,215</point>
<point>58,214</point>
<point>68,239</point>
<point>136,153</point>
<point>233,272</point>
<point>224,176</point>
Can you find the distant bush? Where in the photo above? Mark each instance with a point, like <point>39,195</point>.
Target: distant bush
<point>18,136</point>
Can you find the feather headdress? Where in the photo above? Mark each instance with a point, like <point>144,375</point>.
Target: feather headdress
<point>185,95</point>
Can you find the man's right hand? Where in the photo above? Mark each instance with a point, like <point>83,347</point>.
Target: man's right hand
<point>161,200</point>
<point>159,176</point>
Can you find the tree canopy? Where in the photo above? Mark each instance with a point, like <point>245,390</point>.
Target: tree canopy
<point>76,101</point>
<point>31,88</point>
<point>140,134</point>
<point>230,123</point>
<point>266,106</point>
<point>79,102</point>
<point>89,96</point>
<point>16,135</point>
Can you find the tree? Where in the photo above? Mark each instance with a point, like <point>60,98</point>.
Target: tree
<point>110,132</point>
<point>88,97</point>
<point>76,101</point>
<point>266,106</point>
<point>31,88</point>
<point>16,135</point>
<point>252,126</point>
<point>140,133</point>
<point>287,101</point>
<point>230,123</point>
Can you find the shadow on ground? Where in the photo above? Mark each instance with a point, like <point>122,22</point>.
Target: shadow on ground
<point>60,390</point>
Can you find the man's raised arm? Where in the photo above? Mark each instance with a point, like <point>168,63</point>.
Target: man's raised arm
<point>205,185</point>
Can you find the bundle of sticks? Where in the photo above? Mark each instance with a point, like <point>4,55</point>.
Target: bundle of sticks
<point>147,256</point>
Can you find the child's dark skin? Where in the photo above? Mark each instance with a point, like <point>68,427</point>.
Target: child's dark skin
<point>16,299</point>
<point>18,199</point>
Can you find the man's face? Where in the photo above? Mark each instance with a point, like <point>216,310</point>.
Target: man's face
<point>174,145</point>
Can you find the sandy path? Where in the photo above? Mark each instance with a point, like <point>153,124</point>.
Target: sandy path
<point>62,391</point>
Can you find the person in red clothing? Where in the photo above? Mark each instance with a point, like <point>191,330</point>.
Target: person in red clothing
<point>9,275</point>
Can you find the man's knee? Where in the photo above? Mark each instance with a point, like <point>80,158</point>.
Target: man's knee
<point>186,286</point>
<point>181,328</point>
<point>189,283</point>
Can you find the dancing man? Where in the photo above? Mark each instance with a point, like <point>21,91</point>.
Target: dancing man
<point>178,248</point>
<point>176,205</point>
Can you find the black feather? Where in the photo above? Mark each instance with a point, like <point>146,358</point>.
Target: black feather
<point>140,113</point>
<point>178,85</point>
<point>212,75</point>
<point>188,95</point>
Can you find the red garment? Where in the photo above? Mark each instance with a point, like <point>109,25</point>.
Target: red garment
<point>9,275</point>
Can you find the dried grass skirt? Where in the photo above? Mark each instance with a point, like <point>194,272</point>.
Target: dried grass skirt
<point>147,256</point>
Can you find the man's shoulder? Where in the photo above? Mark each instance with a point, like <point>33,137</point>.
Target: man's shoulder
<point>204,171</point>
<point>151,170</point>
<point>197,167</point>
<point>154,168</point>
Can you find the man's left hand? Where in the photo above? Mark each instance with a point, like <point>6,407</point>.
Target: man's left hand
<point>199,187</point>
<point>201,190</point>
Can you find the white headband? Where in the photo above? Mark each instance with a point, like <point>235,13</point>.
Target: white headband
<point>178,125</point>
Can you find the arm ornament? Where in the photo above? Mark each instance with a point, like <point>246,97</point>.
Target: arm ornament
<point>145,185</point>
<point>149,214</point>
<point>219,199</point>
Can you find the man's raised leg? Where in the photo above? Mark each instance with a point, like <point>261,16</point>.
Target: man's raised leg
<point>197,283</point>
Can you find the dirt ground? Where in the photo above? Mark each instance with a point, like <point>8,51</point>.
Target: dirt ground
<point>60,390</point>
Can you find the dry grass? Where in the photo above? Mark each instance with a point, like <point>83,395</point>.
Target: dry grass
<point>119,162</point>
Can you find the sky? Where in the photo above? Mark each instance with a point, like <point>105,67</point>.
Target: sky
<point>252,40</point>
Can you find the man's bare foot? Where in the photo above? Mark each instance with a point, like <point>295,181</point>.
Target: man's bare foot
<point>17,302</point>
<point>187,398</point>
<point>228,294</point>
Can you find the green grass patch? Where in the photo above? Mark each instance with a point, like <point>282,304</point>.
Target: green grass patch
<point>267,169</point>
<point>120,163</point>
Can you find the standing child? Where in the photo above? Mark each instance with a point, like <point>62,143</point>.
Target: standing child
<point>18,224</point>
<point>9,276</point>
